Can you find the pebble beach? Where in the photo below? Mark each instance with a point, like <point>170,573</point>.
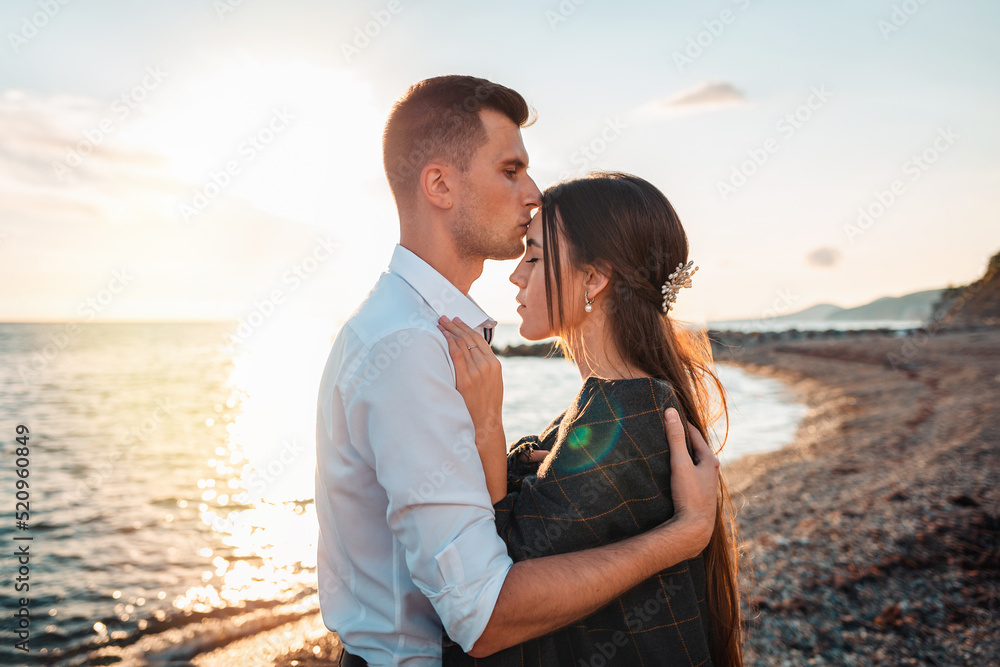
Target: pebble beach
<point>874,539</point>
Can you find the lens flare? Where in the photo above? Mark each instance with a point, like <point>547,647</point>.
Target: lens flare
<point>588,444</point>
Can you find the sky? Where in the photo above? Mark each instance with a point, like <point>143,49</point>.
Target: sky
<point>208,159</point>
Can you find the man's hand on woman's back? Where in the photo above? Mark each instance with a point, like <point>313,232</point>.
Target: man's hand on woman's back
<point>694,484</point>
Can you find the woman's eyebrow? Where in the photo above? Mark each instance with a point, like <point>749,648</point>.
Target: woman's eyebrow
<point>533,242</point>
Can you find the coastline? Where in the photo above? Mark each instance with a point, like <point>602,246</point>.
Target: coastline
<point>872,537</point>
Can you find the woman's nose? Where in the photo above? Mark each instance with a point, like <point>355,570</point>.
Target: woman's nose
<point>516,277</point>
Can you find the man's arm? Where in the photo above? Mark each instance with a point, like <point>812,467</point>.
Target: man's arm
<point>546,594</point>
<point>422,449</point>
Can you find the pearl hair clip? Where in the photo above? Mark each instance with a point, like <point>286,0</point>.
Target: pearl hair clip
<point>681,277</point>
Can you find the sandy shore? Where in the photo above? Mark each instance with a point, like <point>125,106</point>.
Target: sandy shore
<point>303,643</point>
<point>873,539</point>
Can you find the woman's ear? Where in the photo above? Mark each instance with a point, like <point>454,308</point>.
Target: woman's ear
<point>595,280</point>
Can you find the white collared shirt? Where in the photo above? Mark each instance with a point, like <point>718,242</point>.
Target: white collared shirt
<point>407,539</point>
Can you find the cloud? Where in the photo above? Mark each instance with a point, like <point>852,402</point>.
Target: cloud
<point>825,257</point>
<point>714,93</point>
<point>702,97</point>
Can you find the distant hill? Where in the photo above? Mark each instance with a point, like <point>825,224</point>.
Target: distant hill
<point>917,306</point>
<point>975,304</point>
<point>971,305</point>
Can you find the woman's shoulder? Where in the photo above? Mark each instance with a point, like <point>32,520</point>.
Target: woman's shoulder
<point>607,420</point>
<point>626,396</point>
<point>636,404</point>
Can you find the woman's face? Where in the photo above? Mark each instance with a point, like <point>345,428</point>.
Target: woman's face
<point>529,276</point>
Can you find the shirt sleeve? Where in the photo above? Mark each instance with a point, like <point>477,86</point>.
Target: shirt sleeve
<point>607,478</point>
<point>424,456</point>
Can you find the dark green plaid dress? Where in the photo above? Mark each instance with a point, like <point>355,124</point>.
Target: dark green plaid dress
<point>607,478</point>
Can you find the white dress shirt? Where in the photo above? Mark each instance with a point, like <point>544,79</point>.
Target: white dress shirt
<point>407,539</point>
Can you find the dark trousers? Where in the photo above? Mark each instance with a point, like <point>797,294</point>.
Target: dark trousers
<point>348,660</point>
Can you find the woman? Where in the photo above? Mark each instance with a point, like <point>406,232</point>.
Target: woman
<point>600,272</point>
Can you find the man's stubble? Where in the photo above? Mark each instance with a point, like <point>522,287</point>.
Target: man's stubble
<point>477,235</point>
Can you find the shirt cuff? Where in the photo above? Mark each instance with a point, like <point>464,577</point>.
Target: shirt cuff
<point>466,605</point>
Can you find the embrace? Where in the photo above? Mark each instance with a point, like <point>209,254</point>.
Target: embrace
<point>607,539</point>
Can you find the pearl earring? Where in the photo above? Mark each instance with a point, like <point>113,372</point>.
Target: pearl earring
<point>589,307</point>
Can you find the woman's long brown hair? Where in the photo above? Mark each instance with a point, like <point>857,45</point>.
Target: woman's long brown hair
<point>626,227</point>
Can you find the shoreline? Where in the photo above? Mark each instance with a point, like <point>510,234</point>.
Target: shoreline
<point>872,537</point>
<point>821,400</point>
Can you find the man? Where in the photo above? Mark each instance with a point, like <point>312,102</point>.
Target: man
<point>407,540</point>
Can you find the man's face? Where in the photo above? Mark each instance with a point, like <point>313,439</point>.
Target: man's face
<point>497,195</point>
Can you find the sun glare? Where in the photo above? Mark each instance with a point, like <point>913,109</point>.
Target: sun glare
<point>284,136</point>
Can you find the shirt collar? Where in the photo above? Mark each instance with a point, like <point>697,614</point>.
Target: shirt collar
<point>443,297</point>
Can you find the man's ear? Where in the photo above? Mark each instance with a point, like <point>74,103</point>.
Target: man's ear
<point>435,183</point>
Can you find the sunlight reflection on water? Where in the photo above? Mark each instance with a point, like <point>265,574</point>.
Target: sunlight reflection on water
<point>258,497</point>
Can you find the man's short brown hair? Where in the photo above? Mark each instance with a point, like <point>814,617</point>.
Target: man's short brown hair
<point>438,119</point>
